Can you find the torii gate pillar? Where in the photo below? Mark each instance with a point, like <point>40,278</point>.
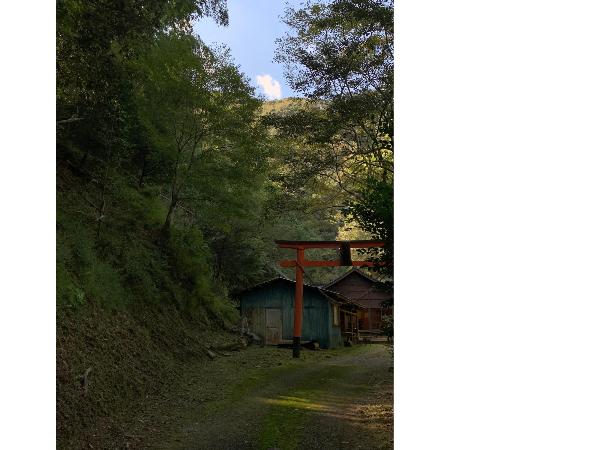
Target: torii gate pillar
<point>298,302</point>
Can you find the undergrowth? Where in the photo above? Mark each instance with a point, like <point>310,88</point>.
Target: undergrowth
<point>133,306</point>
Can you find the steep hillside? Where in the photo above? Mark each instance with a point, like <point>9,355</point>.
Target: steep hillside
<point>133,307</point>
<point>110,362</point>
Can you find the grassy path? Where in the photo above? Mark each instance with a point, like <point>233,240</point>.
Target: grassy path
<point>262,399</point>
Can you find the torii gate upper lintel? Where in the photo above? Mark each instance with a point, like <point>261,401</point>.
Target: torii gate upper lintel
<point>345,259</point>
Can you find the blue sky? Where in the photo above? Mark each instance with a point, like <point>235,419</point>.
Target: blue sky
<point>253,27</point>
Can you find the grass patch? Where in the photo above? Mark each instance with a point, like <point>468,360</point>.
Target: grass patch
<point>281,427</point>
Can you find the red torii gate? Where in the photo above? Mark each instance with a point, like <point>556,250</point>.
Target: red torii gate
<point>299,263</point>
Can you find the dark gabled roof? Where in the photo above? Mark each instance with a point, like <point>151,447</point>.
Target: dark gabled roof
<point>339,298</point>
<point>273,280</point>
<point>331,295</point>
<point>351,271</point>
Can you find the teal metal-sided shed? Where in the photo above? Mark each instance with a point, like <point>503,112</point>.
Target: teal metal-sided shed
<point>269,308</point>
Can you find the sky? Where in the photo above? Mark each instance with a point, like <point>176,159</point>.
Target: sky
<point>253,27</point>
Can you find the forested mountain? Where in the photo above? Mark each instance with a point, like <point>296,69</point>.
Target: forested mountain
<point>174,176</point>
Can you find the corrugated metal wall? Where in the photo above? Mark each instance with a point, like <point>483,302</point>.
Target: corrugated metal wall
<point>335,332</point>
<point>317,323</point>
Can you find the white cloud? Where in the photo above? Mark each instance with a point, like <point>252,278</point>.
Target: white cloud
<point>270,86</point>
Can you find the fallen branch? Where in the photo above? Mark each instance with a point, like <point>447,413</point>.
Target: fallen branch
<point>69,120</point>
<point>84,380</point>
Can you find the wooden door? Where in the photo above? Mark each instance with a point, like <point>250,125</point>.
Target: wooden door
<point>363,320</point>
<point>272,326</point>
<point>375,318</point>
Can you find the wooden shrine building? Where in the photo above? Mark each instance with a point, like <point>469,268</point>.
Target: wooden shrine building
<point>364,290</point>
<point>329,318</point>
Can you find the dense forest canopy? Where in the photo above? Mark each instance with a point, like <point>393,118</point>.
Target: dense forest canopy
<point>340,55</point>
<point>175,176</point>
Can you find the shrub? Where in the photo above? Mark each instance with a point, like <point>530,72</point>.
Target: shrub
<point>67,292</point>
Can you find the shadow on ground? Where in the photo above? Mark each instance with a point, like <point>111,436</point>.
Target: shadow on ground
<point>262,399</point>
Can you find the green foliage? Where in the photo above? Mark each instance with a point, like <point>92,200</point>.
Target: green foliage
<point>103,283</point>
<point>95,37</point>
<point>175,179</point>
<point>81,273</point>
<point>374,213</point>
<point>67,292</point>
<point>387,326</point>
<point>197,112</point>
<point>143,271</point>
<point>223,311</point>
<point>147,204</point>
<point>189,257</point>
<point>339,53</point>
<point>188,251</point>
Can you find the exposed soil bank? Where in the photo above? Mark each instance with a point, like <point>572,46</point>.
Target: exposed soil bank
<point>109,364</point>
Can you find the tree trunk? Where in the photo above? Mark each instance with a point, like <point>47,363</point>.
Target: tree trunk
<point>101,210</point>
<point>169,218</point>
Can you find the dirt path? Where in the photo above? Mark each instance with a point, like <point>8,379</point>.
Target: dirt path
<point>262,399</point>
